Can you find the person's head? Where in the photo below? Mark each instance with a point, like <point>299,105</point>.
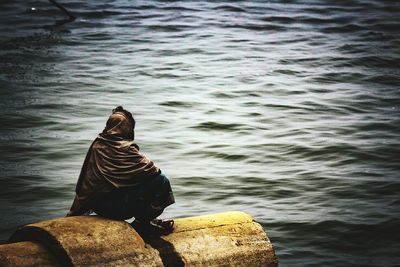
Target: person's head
<point>120,124</point>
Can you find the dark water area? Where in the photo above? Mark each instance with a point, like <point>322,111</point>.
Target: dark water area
<point>287,110</point>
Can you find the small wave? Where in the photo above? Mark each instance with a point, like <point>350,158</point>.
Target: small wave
<point>195,181</point>
<point>24,121</point>
<point>100,36</point>
<point>338,77</point>
<point>43,40</point>
<point>279,19</point>
<point>180,8</point>
<point>378,126</point>
<point>389,79</point>
<point>168,28</point>
<point>216,126</point>
<point>99,14</point>
<point>349,28</point>
<point>229,8</point>
<point>145,7</point>
<point>289,72</point>
<point>220,155</point>
<point>49,106</point>
<point>387,27</point>
<point>337,9</point>
<point>179,52</point>
<point>180,104</point>
<point>224,95</point>
<point>376,36</point>
<point>326,20</point>
<point>257,27</point>
<point>286,61</point>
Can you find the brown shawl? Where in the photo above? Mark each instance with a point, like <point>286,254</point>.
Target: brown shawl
<point>112,162</point>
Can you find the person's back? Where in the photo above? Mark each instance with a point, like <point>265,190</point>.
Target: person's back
<point>118,181</point>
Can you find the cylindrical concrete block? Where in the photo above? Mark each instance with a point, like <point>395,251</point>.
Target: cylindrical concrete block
<point>90,241</point>
<point>26,254</point>
<point>226,239</point>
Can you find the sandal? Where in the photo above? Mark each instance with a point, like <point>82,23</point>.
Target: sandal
<point>168,225</point>
<point>155,227</point>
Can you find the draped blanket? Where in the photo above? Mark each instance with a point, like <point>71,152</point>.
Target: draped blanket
<point>112,162</point>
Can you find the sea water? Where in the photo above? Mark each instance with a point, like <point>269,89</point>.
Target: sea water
<point>286,110</point>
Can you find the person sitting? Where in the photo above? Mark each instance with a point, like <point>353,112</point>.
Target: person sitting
<point>117,181</point>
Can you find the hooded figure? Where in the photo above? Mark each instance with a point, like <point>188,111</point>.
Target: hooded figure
<point>117,180</point>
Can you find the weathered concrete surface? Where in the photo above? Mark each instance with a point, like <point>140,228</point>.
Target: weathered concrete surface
<point>90,241</point>
<point>226,239</point>
<point>24,254</point>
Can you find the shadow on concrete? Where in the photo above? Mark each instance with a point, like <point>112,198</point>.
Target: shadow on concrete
<point>168,254</point>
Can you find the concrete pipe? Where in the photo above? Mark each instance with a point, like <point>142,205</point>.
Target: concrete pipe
<point>225,239</point>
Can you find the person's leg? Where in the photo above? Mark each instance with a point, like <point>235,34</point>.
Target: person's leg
<point>162,195</point>
<point>149,203</point>
<point>147,213</point>
<point>114,206</point>
<point>150,199</point>
<point>147,224</point>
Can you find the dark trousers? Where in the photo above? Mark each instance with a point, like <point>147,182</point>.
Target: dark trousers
<point>144,202</point>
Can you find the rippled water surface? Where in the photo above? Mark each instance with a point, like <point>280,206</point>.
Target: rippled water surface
<point>287,110</point>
